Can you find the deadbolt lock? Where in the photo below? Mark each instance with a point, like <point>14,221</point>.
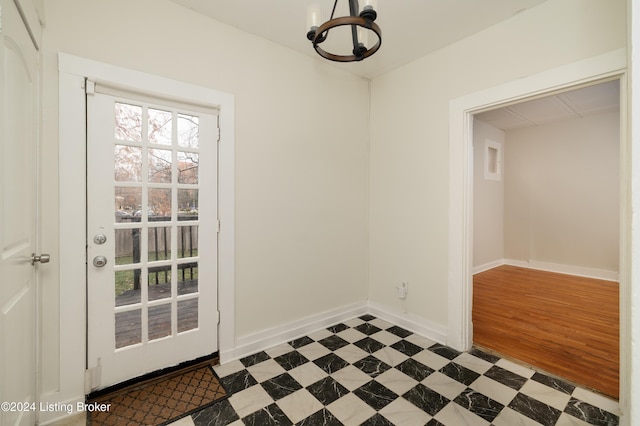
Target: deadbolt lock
<point>100,239</point>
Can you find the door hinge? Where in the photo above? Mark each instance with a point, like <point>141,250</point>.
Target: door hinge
<point>218,226</point>
<point>93,377</point>
<point>89,87</point>
<point>218,127</point>
<point>218,317</point>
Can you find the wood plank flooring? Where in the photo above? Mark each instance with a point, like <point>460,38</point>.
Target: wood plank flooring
<point>566,325</point>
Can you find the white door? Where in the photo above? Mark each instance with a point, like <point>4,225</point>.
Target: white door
<point>152,234</point>
<point>18,154</point>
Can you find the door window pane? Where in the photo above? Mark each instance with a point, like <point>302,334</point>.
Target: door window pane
<point>188,167</point>
<point>159,282</point>
<point>128,163</point>
<point>159,321</point>
<point>128,122</point>
<point>128,202</point>
<point>187,278</point>
<point>188,204</point>
<point>159,202</point>
<point>159,127</point>
<point>159,243</point>
<point>188,131</point>
<point>128,328</point>
<point>187,315</point>
<point>159,166</point>
<point>127,287</point>
<point>187,241</point>
<point>127,243</point>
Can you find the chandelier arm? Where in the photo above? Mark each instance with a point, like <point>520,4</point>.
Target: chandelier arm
<point>353,11</point>
<point>326,34</point>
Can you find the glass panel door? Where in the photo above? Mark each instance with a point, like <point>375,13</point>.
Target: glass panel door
<point>160,249</point>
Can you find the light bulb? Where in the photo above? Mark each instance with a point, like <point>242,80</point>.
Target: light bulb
<point>370,4</point>
<point>363,37</point>
<point>314,16</point>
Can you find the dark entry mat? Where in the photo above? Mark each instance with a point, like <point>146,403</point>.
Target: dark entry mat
<point>161,400</point>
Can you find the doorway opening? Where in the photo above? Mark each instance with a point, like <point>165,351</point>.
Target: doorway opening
<point>608,66</point>
<point>555,208</point>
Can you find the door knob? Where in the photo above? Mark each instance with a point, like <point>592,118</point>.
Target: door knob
<point>99,261</point>
<point>43,258</point>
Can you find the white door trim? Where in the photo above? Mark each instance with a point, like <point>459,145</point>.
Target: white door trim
<point>461,110</point>
<point>72,148</point>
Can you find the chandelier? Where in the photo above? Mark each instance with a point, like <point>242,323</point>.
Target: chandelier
<point>361,23</point>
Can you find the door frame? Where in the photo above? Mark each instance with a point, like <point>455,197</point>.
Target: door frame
<point>461,110</point>
<point>73,186</point>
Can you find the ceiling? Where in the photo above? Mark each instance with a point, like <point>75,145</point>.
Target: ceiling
<point>578,103</point>
<point>410,28</point>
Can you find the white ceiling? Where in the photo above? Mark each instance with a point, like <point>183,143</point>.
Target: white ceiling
<point>582,102</point>
<point>410,28</point>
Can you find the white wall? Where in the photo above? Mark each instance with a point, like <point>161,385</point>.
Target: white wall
<point>301,185</point>
<point>488,199</point>
<point>562,193</point>
<point>409,195</point>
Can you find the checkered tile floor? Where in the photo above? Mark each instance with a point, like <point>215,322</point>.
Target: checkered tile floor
<point>366,371</point>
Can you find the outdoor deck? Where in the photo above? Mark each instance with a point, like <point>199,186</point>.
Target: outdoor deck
<point>128,324</point>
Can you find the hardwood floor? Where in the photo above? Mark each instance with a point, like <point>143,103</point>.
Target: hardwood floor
<point>566,325</point>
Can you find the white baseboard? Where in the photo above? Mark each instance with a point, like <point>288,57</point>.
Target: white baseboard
<point>250,344</point>
<point>487,266</point>
<point>580,271</point>
<point>257,342</point>
<point>413,323</point>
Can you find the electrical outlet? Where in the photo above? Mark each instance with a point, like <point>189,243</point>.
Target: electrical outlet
<point>403,289</point>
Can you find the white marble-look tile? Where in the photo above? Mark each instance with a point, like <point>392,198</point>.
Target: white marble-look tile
<point>397,381</point>
<point>351,353</point>
<point>276,351</point>
<point>444,385</point>
<point>431,359</point>
<point>351,377</point>
<point>386,337</point>
<point>299,405</point>
<point>249,400</point>
<point>307,374</point>
<point>402,412</point>
<point>494,390</point>
<point>351,335</point>
<point>454,414</point>
<point>600,401</point>
<point>421,341</point>
<point>380,323</point>
<point>509,417</point>
<point>185,421</point>
<point>351,410</point>
<point>473,363</point>
<point>515,368</point>
<point>545,394</point>
<point>227,368</point>
<point>265,370</point>
<point>568,420</point>
<point>390,356</point>
<point>320,334</point>
<point>353,322</point>
<point>313,351</point>
<point>76,419</point>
